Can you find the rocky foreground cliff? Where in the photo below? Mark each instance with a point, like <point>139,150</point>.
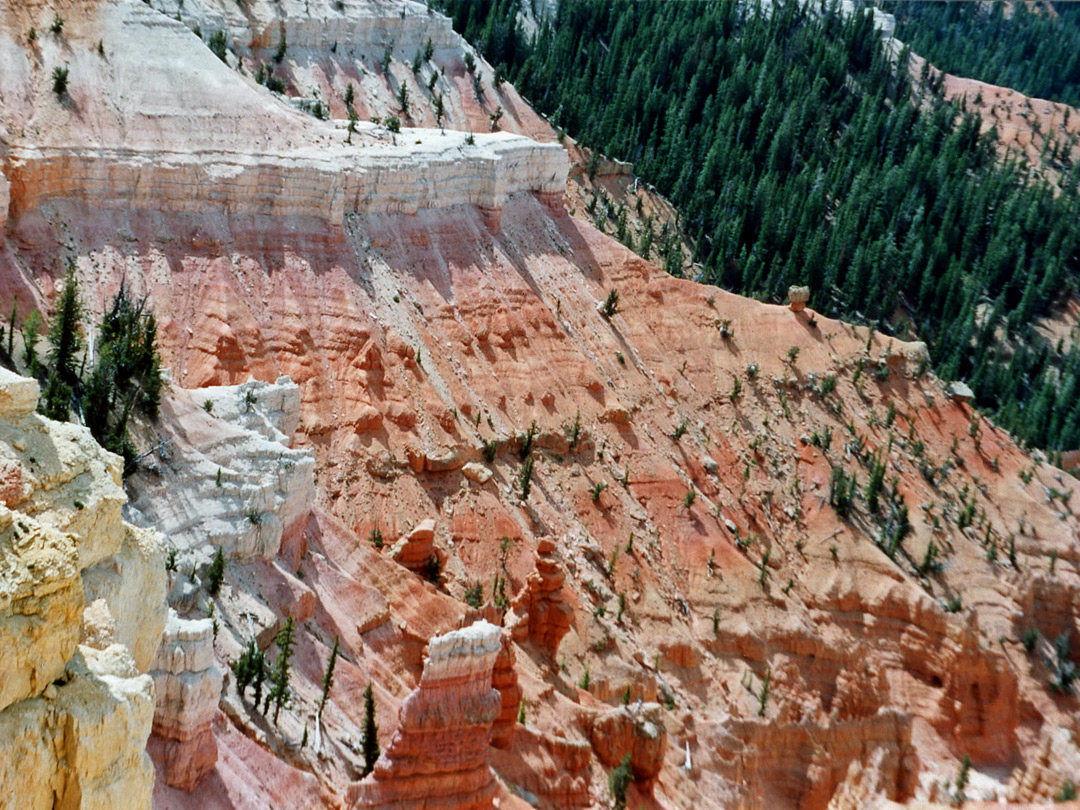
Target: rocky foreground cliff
<point>555,529</point>
<point>82,609</point>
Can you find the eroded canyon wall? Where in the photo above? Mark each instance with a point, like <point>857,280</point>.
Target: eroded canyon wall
<point>368,344</point>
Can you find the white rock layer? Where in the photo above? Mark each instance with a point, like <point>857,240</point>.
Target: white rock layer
<point>229,479</point>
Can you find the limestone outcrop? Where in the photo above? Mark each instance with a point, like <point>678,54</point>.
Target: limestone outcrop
<point>637,730</point>
<point>437,758</point>
<point>417,548</point>
<point>226,476</point>
<point>187,682</point>
<point>81,613</point>
<point>540,613</point>
<point>429,170</point>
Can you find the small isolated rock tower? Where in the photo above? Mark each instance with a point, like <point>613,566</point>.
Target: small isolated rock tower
<point>438,755</point>
<point>798,296</point>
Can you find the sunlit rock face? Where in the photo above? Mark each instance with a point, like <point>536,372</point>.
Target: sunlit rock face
<point>82,607</point>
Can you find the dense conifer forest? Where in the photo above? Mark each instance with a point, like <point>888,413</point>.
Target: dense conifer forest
<point>1035,52</point>
<point>798,152</point>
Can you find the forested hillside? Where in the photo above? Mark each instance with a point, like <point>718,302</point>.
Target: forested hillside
<point>1036,52</point>
<point>795,153</point>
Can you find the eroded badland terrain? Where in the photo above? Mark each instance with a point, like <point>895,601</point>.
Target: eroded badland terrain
<point>549,533</point>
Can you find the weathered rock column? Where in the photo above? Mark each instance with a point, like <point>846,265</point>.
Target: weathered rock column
<point>188,686</point>
<point>798,296</point>
<point>540,613</point>
<point>504,679</point>
<point>438,756</point>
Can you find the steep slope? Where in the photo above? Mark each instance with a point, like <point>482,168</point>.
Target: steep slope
<point>682,575</point>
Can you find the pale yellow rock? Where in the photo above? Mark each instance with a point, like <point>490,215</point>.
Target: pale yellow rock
<point>18,395</point>
<point>41,601</point>
<point>86,748</point>
<point>131,585</point>
<point>73,720</point>
<point>72,484</point>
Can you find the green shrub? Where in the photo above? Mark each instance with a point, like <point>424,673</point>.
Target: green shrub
<point>474,596</point>
<point>279,54</point>
<point>527,440</point>
<point>842,489</point>
<point>525,478</point>
<point>1029,639</point>
<point>611,303</point>
<point>1067,792</point>
<point>619,781</point>
<point>60,81</point>
<point>217,45</point>
<point>597,490</point>
<point>216,575</point>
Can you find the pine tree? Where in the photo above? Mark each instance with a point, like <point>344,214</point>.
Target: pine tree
<point>279,679</point>
<point>874,199</point>
<point>65,342</point>
<point>371,732</point>
<point>258,672</point>
<point>217,573</point>
<point>126,376</point>
<point>64,337</point>
<point>31,331</point>
<point>874,484</point>
<point>328,678</point>
<point>440,110</point>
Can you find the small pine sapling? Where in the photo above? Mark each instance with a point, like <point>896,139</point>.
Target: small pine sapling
<point>328,678</point>
<point>371,733</point>
<point>216,576</point>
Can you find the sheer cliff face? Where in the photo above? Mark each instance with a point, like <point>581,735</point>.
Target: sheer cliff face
<point>82,607</point>
<point>681,547</point>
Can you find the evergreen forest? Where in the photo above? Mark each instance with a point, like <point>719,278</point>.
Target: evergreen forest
<point>798,150</point>
<point>1034,51</point>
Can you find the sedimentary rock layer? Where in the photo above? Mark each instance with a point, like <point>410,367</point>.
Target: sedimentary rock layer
<point>73,719</point>
<point>437,758</point>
